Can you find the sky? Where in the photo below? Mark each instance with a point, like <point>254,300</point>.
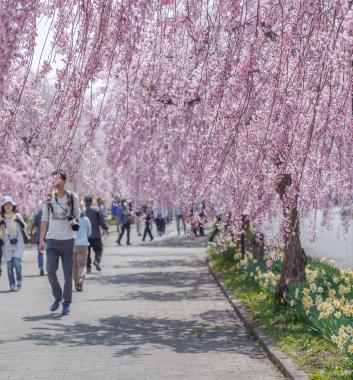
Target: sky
<point>42,31</point>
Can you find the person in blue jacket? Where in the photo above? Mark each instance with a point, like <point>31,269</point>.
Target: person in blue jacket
<point>116,211</point>
<point>125,221</point>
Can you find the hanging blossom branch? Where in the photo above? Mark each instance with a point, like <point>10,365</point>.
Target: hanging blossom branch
<point>207,98</point>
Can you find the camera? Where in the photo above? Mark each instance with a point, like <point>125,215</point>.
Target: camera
<point>13,241</point>
<point>74,223</point>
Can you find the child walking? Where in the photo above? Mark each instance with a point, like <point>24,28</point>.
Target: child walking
<point>81,251</point>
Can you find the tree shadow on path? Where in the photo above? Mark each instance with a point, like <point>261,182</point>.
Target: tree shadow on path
<point>167,262</point>
<point>130,334</point>
<point>177,279</point>
<point>179,242</point>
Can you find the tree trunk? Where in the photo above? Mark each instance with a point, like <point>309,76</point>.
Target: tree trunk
<point>258,248</point>
<point>244,234</point>
<point>293,269</point>
<point>242,245</point>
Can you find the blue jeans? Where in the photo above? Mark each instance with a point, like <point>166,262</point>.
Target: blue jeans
<point>14,265</point>
<point>40,258</point>
<point>180,218</point>
<point>64,250</point>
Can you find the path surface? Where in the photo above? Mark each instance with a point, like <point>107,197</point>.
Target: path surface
<point>153,313</point>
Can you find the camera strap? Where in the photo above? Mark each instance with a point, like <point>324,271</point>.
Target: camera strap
<point>6,227</point>
<point>70,202</point>
<point>59,204</point>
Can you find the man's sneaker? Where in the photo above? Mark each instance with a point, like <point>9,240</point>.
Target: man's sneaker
<point>55,305</point>
<point>66,309</point>
<point>12,288</point>
<point>96,264</point>
<point>89,270</point>
<point>128,243</point>
<point>118,242</point>
<point>19,285</point>
<point>41,273</point>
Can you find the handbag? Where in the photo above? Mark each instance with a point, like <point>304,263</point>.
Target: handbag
<point>33,238</point>
<point>26,236</point>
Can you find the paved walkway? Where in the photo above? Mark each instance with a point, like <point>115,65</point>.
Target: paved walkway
<point>153,313</point>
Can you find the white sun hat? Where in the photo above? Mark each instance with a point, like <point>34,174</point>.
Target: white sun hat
<point>7,199</point>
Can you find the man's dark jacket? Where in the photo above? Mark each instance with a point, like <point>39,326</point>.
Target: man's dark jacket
<point>97,220</point>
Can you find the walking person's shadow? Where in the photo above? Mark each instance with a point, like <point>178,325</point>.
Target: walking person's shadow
<point>48,317</point>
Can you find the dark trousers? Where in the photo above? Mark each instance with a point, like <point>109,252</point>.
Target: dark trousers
<point>147,231</point>
<point>180,218</point>
<point>40,258</point>
<point>202,232</point>
<point>125,227</point>
<point>63,249</point>
<point>160,224</point>
<point>213,234</point>
<point>96,244</point>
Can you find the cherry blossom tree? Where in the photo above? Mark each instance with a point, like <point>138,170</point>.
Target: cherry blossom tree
<point>246,105</point>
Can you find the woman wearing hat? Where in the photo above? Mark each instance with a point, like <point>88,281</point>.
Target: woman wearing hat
<point>11,225</point>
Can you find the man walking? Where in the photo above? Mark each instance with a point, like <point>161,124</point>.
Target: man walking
<point>125,220</point>
<point>116,211</point>
<point>96,217</point>
<point>62,214</point>
<point>147,216</point>
<point>179,216</point>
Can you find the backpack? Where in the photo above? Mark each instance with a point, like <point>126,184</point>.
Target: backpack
<point>70,202</point>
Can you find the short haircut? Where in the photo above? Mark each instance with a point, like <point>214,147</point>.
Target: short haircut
<point>88,199</point>
<point>60,173</point>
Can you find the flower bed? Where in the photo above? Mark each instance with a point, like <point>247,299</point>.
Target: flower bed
<point>322,306</point>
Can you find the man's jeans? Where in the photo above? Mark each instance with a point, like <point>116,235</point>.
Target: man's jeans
<point>180,218</point>
<point>147,231</point>
<point>125,227</point>
<point>40,259</point>
<point>14,265</point>
<point>63,249</point>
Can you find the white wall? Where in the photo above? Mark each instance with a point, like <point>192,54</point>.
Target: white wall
<point>331,242</point>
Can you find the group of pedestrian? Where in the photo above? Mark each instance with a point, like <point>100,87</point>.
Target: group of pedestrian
<point>69,231</point>
<point>62,227</point>
<point>125,214</point>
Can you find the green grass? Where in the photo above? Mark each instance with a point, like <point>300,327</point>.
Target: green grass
<point>313,354</point>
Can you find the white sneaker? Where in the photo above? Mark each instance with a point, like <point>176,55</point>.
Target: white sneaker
<point>12,288</point>
<point>19,285</point>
